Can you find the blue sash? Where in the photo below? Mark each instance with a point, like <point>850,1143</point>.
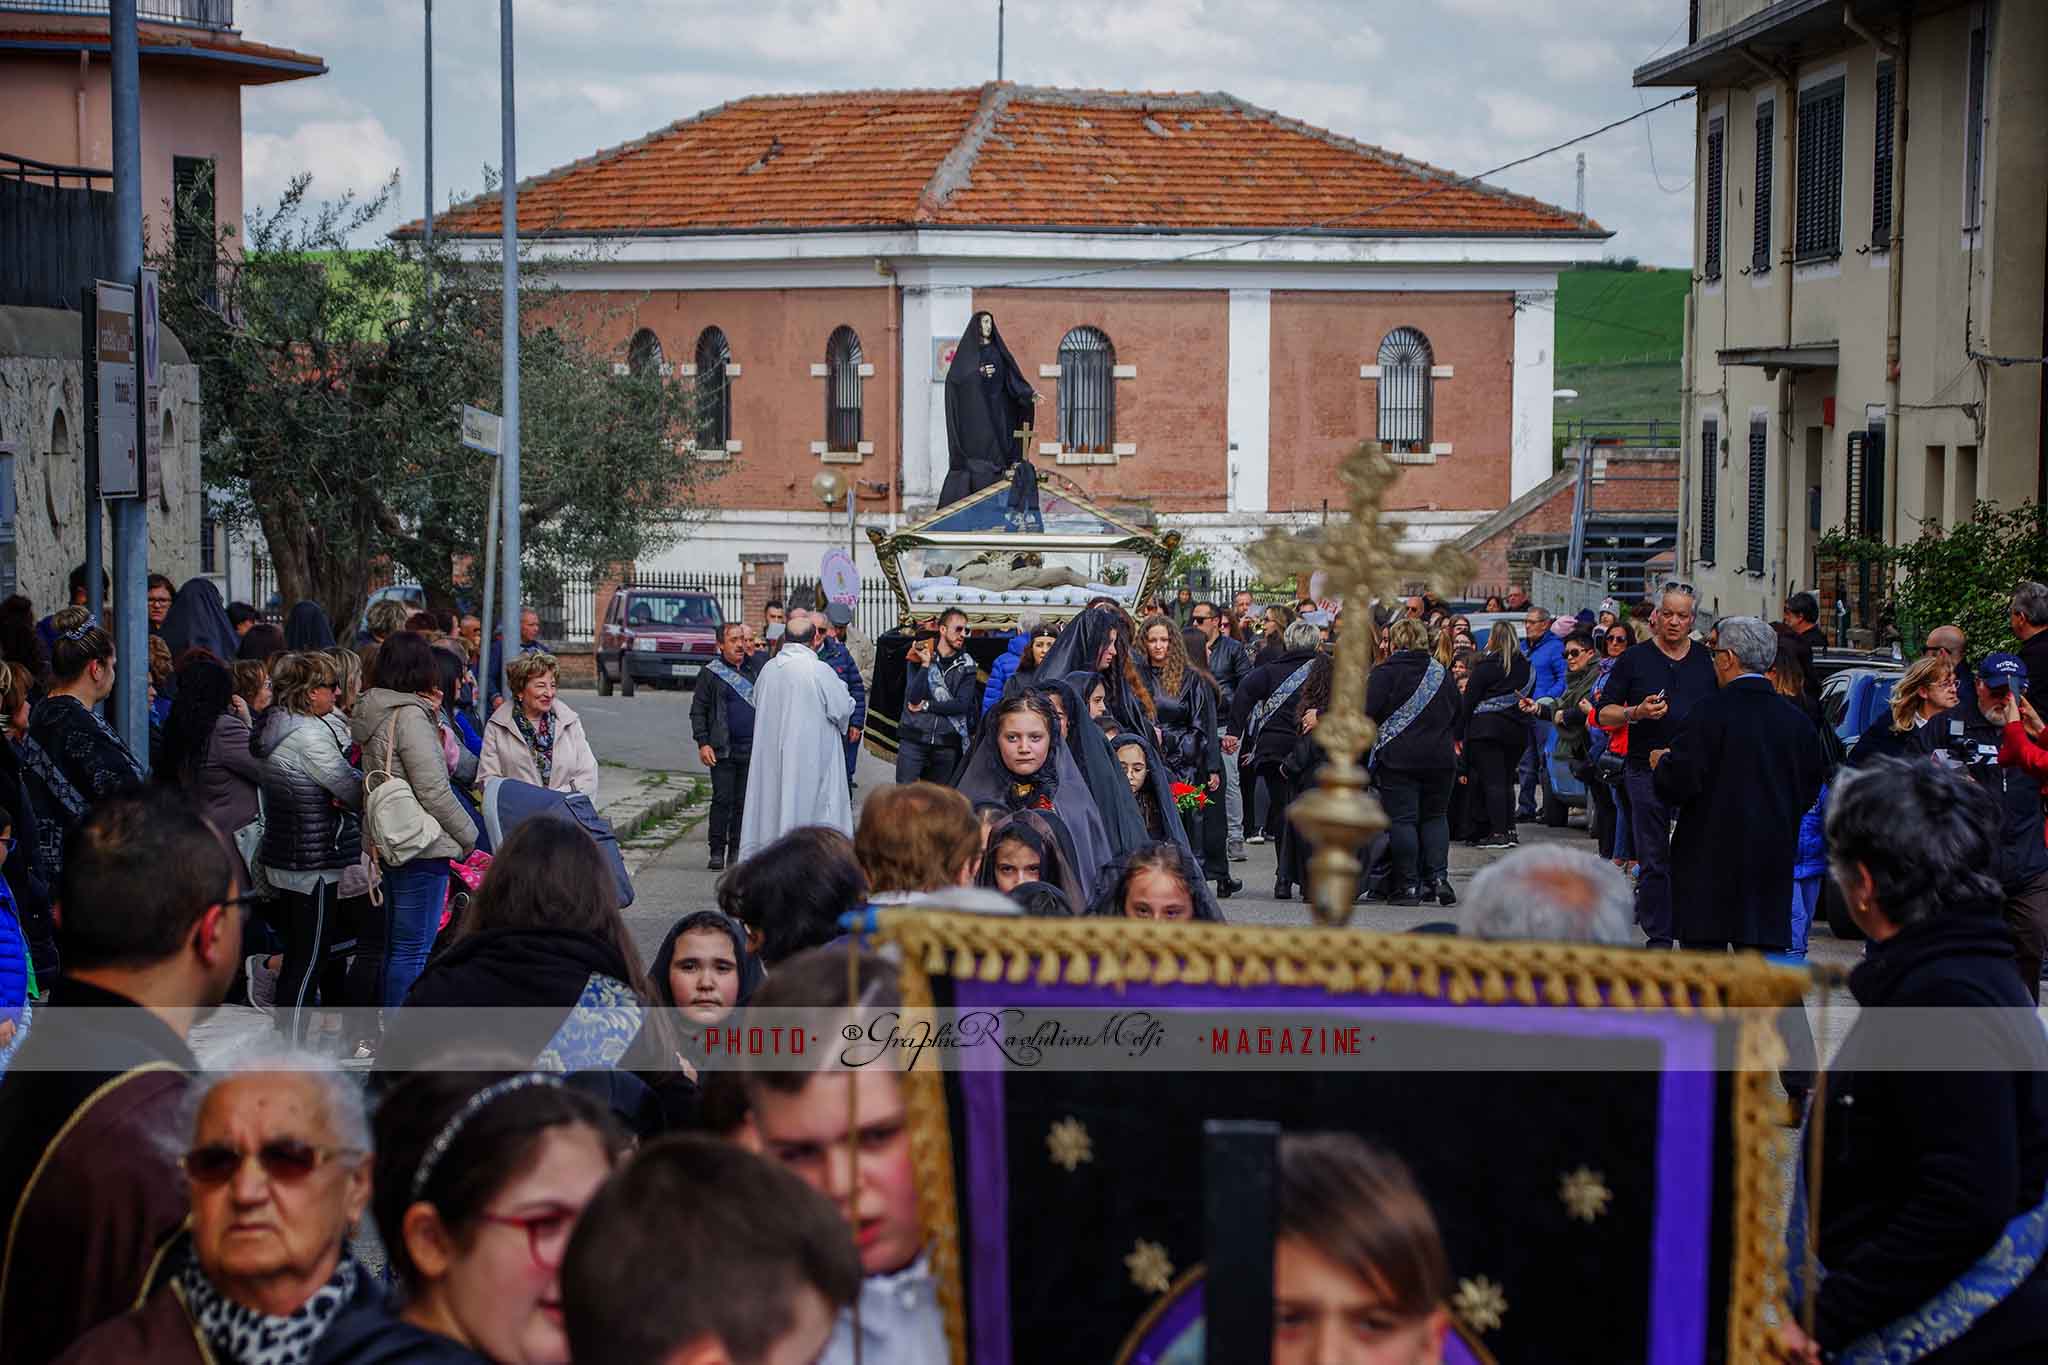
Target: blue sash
<point>1263,712</point>
<point>733,678</point>
<point>1506,701</point>
<point>1405,714</point>
<point>601,1026</point>
<point>1954,1310</point>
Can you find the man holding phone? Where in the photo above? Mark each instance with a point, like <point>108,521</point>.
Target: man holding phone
<point>939,702</point>
<point>1652,689</point>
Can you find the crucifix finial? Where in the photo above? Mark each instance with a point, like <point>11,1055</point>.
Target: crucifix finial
<point>1023,435</point>
<point>1361,561</point>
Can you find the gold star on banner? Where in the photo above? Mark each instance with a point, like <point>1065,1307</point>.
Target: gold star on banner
<point>1479,1303</point>
<point>1585,1194</point>
<point>1069,1143</point>
<point>1150,1269</point>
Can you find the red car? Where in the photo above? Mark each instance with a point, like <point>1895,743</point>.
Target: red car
<point>663,636</point>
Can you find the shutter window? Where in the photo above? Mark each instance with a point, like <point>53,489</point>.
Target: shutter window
<point>1710,254</point>
<point>1881,160</point>
<point>1766,132</point>
<point>1710,462</point>
<point>1759,450</point>
<point>1872,491</point>
<point>1820,173</point>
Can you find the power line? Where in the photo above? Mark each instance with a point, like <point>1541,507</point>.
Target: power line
<point>1281,234</point>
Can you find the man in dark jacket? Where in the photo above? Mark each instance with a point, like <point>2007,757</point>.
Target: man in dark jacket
<point>1263,721</point>
<point>1229,661</point>
<point>722,723</point>
<point>1967,733</point>
<point>1741,770</point>
<point>832,649</point>
<point>940,699</point>
<point>1936,1137</point>
<point>2030,624</point>
<point>1801,618</point>
<point>152,936</point>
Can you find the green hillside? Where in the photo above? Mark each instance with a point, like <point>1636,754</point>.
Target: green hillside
<point>1613,316</point>
<point>1620,336</point>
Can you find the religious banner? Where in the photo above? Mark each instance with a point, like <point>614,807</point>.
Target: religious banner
<point>1592,1129</point>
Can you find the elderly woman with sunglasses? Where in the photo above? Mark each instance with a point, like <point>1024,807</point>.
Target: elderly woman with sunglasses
<point>276,1156</point>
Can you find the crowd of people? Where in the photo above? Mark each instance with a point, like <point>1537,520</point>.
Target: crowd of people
<point>541,1107</point>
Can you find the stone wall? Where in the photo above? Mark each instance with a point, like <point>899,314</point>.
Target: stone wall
<point>42,414</point>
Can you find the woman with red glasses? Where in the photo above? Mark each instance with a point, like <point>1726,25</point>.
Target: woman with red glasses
<point>480,1179</point>
<point>277,1161</point>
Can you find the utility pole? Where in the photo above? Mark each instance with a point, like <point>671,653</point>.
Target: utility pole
<point>130,711</point>
<point>1582,176</point>
<point>508,458</point>
<point>428,238</point>
<point>999,39</point>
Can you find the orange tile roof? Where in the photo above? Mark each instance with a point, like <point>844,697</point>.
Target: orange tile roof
<point>246,61</point>
<point>1003,155</point>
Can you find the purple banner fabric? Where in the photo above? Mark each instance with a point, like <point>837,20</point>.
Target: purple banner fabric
<point>1684,1143</point>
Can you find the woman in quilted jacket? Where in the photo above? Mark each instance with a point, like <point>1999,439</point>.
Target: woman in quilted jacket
<point>312,830</point>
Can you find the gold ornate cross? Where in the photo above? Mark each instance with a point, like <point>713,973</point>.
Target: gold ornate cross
<point>1361,562</point>
<point>1023,435</point>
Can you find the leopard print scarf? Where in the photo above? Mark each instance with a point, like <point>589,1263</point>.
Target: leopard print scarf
<point>244,1336</point>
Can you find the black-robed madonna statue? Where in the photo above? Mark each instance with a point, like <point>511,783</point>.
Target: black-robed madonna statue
<point>987,400</point>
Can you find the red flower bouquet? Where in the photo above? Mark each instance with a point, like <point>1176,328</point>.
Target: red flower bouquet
<point>1190,799</point>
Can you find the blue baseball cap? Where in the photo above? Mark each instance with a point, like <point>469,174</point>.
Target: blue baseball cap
<point>2003,670</point>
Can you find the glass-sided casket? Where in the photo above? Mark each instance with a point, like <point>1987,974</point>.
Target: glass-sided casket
<point>1595,1129</point>
<point>1001,563</point>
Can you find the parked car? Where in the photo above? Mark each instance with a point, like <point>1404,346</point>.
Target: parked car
<point>412,594</point>
<point>663,636</point>
<point>1852,700</point>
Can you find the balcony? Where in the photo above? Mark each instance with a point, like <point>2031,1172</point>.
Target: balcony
<point>215,15</point>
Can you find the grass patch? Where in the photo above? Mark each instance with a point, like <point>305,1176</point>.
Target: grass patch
<point>1608,317</point>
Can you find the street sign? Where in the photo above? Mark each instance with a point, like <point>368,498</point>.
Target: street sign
<point>838,578</point>
<point>152,392</point>
<point>114,363</point>
<point>482,430</point>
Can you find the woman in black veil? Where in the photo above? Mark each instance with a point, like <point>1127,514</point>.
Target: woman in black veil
<point>1020,763</point>
<point>199,621</point>
<point>1091,754</point>
<point>1040,834</point>
<point>987,399</point>
<point>1099,640</point>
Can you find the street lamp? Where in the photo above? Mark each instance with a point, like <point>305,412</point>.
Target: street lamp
<point>832,490</point>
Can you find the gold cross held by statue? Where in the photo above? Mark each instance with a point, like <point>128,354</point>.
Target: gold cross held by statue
<point>1023,435</point>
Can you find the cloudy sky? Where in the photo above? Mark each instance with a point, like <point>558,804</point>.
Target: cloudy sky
<point>1465,84</point>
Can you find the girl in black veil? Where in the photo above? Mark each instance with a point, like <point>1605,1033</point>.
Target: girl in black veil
<point>1099,640</point>
<point>1039,849</point>
<point>1020,763</point>
<point>1091,754</point>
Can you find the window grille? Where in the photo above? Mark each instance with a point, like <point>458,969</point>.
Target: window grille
<point>195,235</point>
<point>1881,158</point>
<point>1405,390</point>
<point>842,390</point>
<point>1819,234</point>
<point>1759,452</point>
<point>1710,254</point>
<point>1766,132</point>
<point>1710,464</point>
<point>643,354</point>
<point>713,392</point>
<point>1087,391</point>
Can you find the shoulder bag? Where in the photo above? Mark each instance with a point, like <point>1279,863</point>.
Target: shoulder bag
<point>399,827</point>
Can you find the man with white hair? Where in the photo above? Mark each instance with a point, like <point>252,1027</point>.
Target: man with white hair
<point>1552,894</point>
<point>1742,769</point>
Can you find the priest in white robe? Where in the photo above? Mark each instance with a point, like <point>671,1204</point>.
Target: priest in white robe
<point>801,711</point>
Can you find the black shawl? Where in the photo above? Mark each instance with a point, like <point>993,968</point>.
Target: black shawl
<point>197,620</point>
<point>307,628</point>
<point>983,777</point>
<point>1078,647</point>
<point>1091,754</point>
<point>752,973</point>
<point>982,411</point>
<point>1046,835</point>
<point>1173,829</point>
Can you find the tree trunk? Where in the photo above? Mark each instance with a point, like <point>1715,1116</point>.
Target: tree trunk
<point>308,568</point>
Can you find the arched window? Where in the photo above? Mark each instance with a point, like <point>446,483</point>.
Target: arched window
<point>1405,362</point>
<point>842,390</point>
<point>643,353</point>
<point>1087,396</point>
<point>713,392</point>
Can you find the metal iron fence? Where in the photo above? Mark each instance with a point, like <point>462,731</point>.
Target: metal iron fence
<point>214,14</point>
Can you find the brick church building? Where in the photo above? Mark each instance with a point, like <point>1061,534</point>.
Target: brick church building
<point>1215,302</point>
